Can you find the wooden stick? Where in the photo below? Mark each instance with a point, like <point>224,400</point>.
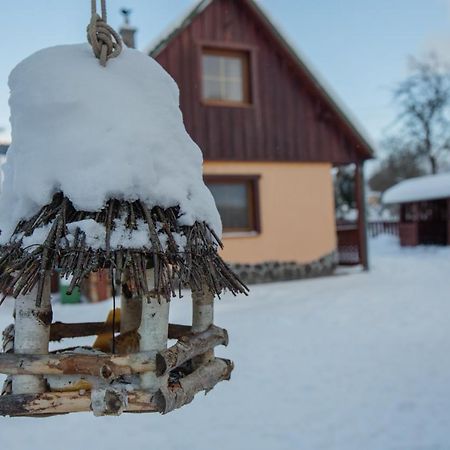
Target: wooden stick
<point>61,330</point>
<point>53,403</point>
<point>188,347</point>
<point>202,379</point>
<point>105,367</point>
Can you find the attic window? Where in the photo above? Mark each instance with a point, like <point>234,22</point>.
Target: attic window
<point>237,199</point>
<point>225,76</point>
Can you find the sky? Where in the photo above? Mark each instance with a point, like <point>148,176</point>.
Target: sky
<point>360,48</point>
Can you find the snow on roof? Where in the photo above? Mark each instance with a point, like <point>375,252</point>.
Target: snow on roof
<point>96,133</point>
<point>182,21</point>
<point>429,187</point>
<point>161,41</point>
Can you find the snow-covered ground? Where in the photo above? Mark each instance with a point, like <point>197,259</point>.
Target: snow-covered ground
<point>357,361</point>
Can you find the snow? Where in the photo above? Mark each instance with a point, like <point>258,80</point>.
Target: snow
<point>178,24</point>
<point>354,361</point>
<point>95,235</point>
<point>96,133</point>
<point>429,187</point>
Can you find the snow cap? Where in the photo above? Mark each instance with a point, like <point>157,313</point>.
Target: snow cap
<point>429,187</point>
<point>97,133</point>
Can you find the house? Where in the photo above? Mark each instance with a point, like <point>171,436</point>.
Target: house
<point>270,133</point>
<point>424,202</point>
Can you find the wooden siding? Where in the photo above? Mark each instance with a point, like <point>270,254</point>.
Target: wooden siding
<point>288,119</point>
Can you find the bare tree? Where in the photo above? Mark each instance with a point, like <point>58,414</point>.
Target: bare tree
<point>400,163</point>
<point>424,102</point>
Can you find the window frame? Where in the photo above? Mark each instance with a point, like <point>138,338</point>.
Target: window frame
<point>254,213</point>
<point>230,48</point>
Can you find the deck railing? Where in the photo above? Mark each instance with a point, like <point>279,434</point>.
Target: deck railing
<point>378,227</point>
<point>348,238</point>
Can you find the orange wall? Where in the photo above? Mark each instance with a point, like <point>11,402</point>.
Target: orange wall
<point>297,212</point>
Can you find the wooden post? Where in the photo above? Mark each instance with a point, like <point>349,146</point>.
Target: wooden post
<point>153,332</point>
<point>362,219</point>
<point>130,307</point>
<point>32,332</point>
<point>202,319</point>
<point>448,221</point>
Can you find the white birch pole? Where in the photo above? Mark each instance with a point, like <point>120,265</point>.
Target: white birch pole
<point>202,318</point>
<point>153,332</point>
<point>130,308</point>
<point>32,332</point>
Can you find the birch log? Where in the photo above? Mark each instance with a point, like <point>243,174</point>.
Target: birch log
<point>189,347</point>
<point>32,332</point>
<point>202,318</point>
<point>60,330</point>
<point>53,403</point>
<point>107,367</point>
<point>130,307</point>
<point>8,347</point>
<point>108,401</point>
<point>202,379</point>
<point>153,332</point>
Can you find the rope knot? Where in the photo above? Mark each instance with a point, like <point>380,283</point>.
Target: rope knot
<point>105,41</point>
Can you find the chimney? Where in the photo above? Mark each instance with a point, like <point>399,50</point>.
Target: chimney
<point>126,30</point>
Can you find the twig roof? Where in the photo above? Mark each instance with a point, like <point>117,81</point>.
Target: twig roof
<point>180,255</point>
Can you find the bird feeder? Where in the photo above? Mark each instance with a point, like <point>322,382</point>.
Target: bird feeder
<point>101,175</point>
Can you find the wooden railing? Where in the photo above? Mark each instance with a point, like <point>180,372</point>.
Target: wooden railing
<point>376,228</point>
<point>348,238</point>
<point>348,244</point>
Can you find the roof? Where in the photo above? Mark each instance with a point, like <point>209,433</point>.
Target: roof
<point>365,146</point>
<point>429,187</point>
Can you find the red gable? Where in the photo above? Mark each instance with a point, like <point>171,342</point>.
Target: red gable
<point>287,114</point>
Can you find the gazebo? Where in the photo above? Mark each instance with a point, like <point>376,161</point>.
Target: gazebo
<point>424,202</point>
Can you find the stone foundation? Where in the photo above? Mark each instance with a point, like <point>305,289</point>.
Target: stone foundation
<point>271,271</point>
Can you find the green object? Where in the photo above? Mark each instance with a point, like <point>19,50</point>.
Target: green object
<point>74,297</point>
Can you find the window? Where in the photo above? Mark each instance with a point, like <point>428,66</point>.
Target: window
<point>225,76</point>
<point>237,201</point>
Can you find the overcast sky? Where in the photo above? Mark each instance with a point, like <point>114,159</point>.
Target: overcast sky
<point>360,48</point>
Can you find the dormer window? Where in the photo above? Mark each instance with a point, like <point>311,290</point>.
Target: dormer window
<point>225,77</point>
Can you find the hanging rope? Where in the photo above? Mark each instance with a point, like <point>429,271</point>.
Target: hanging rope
<point>105,41</point>
<point>113,289</point>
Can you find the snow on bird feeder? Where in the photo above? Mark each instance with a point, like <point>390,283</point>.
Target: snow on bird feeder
<point>101,174</point>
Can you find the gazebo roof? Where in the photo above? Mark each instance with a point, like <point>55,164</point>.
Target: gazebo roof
<point>429,187</point>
